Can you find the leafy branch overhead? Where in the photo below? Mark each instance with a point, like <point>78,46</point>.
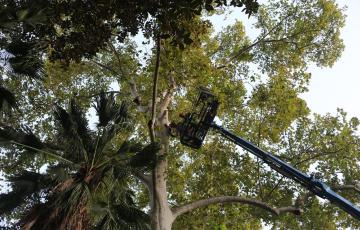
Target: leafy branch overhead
<point>76,29</point>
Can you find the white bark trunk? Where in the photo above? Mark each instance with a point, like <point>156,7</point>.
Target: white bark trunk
<point>162,215</point>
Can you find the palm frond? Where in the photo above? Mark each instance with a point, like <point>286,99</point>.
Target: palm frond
<point>120,173</point>
<point>117,124</point>
<point>23,185</point>
<point>121,215</point>
<point>83,130</point>
<point>27,60</point>
<point>146,158</point>
<point>64,120</point>
<point>11,200</point>
<point>129,147</point>
<point>68,135</point>
<point>7,99</point>
<point>106,108</point>
<point>122,114</point>
<point>23,136</point>
<point>60,171</point>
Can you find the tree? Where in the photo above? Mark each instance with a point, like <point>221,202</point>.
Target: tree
<point>258,83</point>
<point>72,30</point>
<point>85,170</point>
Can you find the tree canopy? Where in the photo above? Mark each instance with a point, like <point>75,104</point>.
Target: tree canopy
<point>70,30</point>
<point>259,84</point>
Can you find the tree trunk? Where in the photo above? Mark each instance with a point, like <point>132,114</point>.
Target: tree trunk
<point>162,217</point>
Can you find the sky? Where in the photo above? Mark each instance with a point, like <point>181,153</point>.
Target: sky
<point>338,87</point>
<point>330,88</point>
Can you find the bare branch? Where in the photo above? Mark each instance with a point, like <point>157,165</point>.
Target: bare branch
<point>105,67</point>
<point>154,93</point>
<point>347,187</point>
<point>145,179</point>
<point>168,96</point>
<point>177,211</point>
<point>133,89</point>
<point>113,49</point>
<point>134,92</point>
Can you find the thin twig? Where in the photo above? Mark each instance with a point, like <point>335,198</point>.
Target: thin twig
<point>105,67</point>
<point>113,49</point>
<point>97,94</point>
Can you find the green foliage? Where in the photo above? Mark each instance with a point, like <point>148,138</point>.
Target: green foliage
<point>26,61</point>
<point>281,103</point>
<point>259,84</point>
<point>76,29</point>
<point>125,215</point>
<point>23,186</point>
<point>82,168</point>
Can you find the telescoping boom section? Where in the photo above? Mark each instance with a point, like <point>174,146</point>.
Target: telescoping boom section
<point>197,123</point>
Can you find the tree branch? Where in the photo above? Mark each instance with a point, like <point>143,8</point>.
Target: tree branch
<point>168,96</point>
<point>257,41</point>
<point>134,92</point>
<point>354,187</point>
<point>145,179</point>
<point>177,211</point>
<point>108,68</point>
<point>154,93</point>
<point>302,199</point>
<point>113,49</point>
<point>133,89</point>
<point>322,154</point>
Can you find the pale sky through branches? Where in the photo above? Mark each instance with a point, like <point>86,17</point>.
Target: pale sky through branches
<point>338,87</point>
<point>330,88</point>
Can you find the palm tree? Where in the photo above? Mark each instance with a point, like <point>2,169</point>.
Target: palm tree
<point>86,182</point>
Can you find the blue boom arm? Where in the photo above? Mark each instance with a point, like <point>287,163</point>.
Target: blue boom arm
<point>311,183</point>
<point>196,125</point>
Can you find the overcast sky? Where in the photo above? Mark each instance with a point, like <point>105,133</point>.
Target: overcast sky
<point>330,88</point>
<point>339,86</point>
